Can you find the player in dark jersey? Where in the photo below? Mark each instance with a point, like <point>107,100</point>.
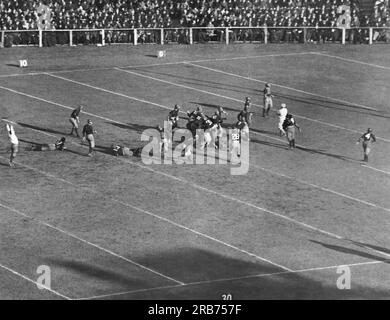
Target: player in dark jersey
<point>88,133</point>
<point>75,120</point>
<point>119,150</point>
<point>173,116</point>
<point>367,139</point>
<point>245,115</point>
<point>58,145</point>
<point>289,126</point>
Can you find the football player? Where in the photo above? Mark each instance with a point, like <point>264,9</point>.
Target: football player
<point>88,133</point>
<point>173,116</point>
<point>75,120</point>
<point>367,139</point>
<point>267,99</point>
<point>14,141</point>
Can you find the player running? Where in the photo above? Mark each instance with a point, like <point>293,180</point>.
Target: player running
<point>75,120</point>
<point>13,139</point>
<point>267,99</point>
<point>289,126</point>
<point>367,139</point>
<point>88,132</point>
<point>173,116</point>
<point>282,113</point>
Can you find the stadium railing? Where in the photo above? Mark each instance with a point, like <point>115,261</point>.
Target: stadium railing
<point>102,37</point>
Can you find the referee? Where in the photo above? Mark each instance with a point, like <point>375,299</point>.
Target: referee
<point>88,132</point>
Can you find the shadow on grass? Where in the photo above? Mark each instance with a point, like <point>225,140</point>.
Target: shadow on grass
<point>334,105</point>
<point>208,275</point>
<point>134,127</point>
<point>352,251</point>
<point>30,126</point>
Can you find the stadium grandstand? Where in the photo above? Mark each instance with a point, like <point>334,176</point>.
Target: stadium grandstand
<point>286,20</point>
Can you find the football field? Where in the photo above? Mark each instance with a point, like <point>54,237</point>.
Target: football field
<point>115,228</point>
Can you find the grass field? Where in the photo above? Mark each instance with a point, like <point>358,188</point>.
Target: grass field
<point>115,228</point>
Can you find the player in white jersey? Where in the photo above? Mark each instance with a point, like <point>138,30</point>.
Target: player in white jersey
<point>282,113</point>
<point>13,139</point>
<point>235,150</point>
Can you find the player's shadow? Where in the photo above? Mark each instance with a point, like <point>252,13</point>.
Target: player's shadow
<point>15,65</point>
<point>48,130</point>
<point>270,144</point>
<point>322,152</point>
<point>362,244</point>
<point>330,104</point>
<point>97,273</point>
<point>352,251</point>
<point>133,127</point>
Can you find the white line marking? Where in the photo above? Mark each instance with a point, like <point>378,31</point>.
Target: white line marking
<point>110,120</point>
<point>233,279</point>
<point>76,237</point>
<point>156,64</point>
<point>32,281</point>
<point>150,214</point>
<point>352,60</point>
<point>235,199</point>
<point>281,86</point>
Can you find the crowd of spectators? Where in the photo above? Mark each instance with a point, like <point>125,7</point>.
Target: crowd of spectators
<point>91,14</point>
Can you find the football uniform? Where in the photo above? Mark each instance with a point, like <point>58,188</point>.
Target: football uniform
<point>282,116</point>
<point>74,120</point>
<point>88,134</point>
<point>367,139</point>
<point>14,141</point>
<point>267,100</point>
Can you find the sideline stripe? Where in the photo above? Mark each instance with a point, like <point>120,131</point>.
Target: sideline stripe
<point>157,64</point>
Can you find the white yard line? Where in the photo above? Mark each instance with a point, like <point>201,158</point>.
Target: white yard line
<point>157,64</point>
<point>207,282</point>
<point>352,60</point>
<point>153,215</point>
<point>222,195</point>
<point>69,234</point>
<point>281,86</point>
<point>34,282</point>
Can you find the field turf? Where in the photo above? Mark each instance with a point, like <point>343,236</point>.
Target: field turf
<point>115,228</point>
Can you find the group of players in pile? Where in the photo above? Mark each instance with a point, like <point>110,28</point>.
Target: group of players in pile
<point>211,126</point>
<point>213,129</point>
